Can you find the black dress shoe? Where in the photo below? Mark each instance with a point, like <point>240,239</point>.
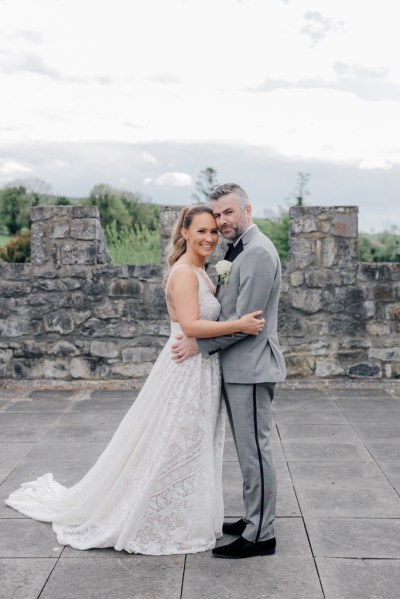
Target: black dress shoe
<point>234,528</point>
<point>242,548</point>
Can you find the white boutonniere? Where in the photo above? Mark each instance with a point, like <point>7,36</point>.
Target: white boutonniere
<point>223,268</point>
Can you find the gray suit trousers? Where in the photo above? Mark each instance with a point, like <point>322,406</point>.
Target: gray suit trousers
<point>250,415</point>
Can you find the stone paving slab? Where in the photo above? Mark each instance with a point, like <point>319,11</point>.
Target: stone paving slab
<point>28,538</point>
<point>354,537</point>
<point>24,578</point>
<point>11,455</point>
<point>79,432</point>
<point>320,414</point>
<point>60,450</point>
<point>359,578</point>
<point>344,490</point>
<point>273,577</point>
<point>322,443</point>
<point>28,404</point>
<point>101,578</point>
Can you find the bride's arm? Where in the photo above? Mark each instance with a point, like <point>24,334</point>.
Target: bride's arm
<point>184,292</point>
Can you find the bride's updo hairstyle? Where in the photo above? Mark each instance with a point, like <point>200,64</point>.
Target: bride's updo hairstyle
<point>178,242</point>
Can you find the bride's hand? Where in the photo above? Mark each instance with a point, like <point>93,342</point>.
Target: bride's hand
<point>250,324</point>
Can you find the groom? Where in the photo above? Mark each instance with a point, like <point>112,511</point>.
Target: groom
<point>251,365</point>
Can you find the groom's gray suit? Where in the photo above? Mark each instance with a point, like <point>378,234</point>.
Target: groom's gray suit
<point>251,365</point>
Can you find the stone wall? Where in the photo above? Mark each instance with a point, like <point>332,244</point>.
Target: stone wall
<point>70,314</point>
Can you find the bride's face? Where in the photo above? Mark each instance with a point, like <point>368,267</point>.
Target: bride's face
<point>202,234</point>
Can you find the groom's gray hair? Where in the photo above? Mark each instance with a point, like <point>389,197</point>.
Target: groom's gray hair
<point>225,189</point>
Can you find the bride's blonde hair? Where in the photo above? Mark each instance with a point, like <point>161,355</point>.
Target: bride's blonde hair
<point>178,242</point>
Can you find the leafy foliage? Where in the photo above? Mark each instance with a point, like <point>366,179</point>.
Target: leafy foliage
<point>138,245</point>
<point>18,249</point>
<point>277,229</point>
<point>15,206</point>
<point>380,247</point>
<point>123,209</point>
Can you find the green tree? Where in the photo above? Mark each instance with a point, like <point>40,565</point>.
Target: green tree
<point>277,229</point>
<point>111,205</point>
<point>205,184</point>
<point>15,206</point>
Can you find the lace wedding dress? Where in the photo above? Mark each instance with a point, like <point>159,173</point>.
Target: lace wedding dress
<point>157,487</point>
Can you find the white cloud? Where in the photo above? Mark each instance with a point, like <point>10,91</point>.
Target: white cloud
<point>377,162</point>
<point>147,157</point>
<point>172,179</point>
<point>10,168</point>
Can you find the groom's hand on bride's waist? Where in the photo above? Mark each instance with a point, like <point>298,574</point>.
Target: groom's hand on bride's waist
<point>183,348</point>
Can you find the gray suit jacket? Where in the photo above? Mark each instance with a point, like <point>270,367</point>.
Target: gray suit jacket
<point>254,284</point>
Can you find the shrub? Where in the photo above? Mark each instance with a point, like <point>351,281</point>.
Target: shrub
<point>18,249</point>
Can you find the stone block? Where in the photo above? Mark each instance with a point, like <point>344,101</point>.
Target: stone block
<point>81,368</point>
<point>126,287</point>
<point>300,365</point>
<point>304,224</point>
<point>329,252</point>
<point>378,328</point>
<point>136,355</point>
<point>296,278</point>
<point>328,367</point>
<point>365,369</point>
<point>302,253</point>
<point>104,349</point>
<point>15,271</point>
<point>383,293</point>
<point>369,309</point>
<point>78,252</point>
<point>84,212</point>
<point>307,300</point>
<point>385,354</point>
<point>59,322</point>
<point>110,309</point>
<point>392,312</point>
<point>17,327</point>
<point>345,225</point>
<point>58,230</point>
<point>374,272</point>
<point>323,278</point>
<point>84,228</point>
<point>348,324</point>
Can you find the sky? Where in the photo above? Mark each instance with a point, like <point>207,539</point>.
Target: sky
<point>144,94</point>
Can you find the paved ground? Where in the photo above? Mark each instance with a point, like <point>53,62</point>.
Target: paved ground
<point>337,449</point>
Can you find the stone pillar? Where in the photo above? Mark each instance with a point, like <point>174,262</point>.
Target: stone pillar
<point>323,237</point>
<point>320,302</point>
<point>66,236</point>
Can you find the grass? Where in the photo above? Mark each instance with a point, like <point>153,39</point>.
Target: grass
<point>4,239</point>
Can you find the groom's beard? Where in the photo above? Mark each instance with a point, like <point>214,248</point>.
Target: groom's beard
<point>232,232</point>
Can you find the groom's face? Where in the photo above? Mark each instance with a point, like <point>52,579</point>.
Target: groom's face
<point>232,220</point>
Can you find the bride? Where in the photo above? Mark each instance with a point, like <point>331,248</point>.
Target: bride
<point>156,489</point>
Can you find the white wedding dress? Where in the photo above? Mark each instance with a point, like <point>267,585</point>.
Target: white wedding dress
<point>157,487</point>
